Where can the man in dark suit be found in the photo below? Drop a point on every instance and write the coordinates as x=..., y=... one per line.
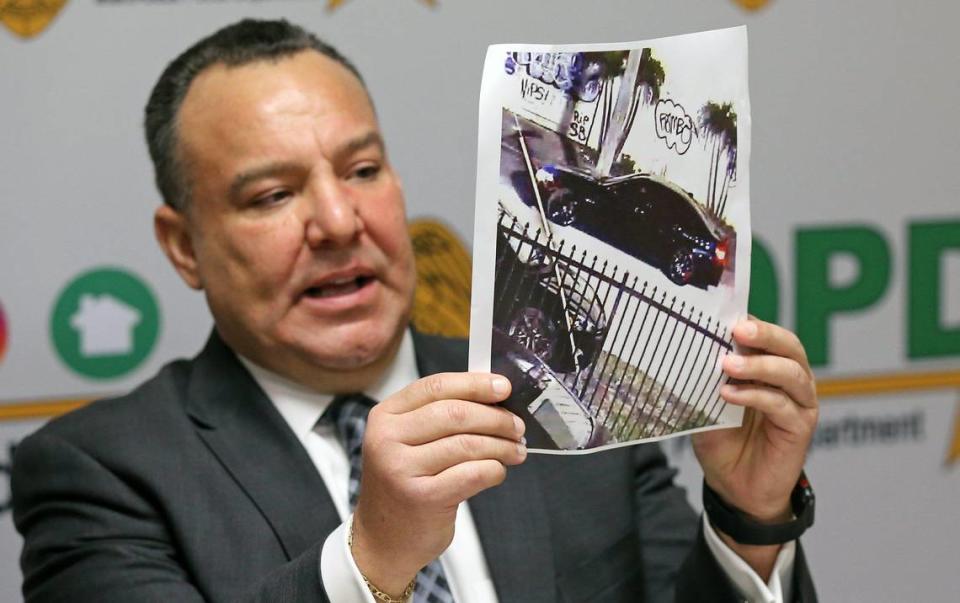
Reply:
x=202, y=484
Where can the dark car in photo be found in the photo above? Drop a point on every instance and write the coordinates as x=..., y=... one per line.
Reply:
x=643, y=215
x=647, y=217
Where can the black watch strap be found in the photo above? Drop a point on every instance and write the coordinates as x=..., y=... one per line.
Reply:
x=736, y=524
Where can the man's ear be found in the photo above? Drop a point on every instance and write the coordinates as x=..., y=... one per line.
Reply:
x=173, y=233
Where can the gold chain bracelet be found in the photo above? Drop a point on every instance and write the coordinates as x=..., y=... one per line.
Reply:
x=376, y=592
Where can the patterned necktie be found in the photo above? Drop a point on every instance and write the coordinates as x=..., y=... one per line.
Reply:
x=348, y=414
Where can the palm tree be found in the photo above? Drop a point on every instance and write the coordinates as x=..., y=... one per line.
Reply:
x=731, y=171
x=718, y=122
x=650, y=78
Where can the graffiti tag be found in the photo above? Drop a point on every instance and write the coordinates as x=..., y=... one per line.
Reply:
x=673, y=125
x=579, y=127
x=566, y=71
x=533, y=90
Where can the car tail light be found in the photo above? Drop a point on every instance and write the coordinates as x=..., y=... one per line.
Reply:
x=720, y=253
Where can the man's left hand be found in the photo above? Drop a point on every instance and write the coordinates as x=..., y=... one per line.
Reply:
x=755, y=467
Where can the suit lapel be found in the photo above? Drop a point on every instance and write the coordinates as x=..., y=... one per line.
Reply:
x=511, y=518
x=232, y=413
x=515, y=534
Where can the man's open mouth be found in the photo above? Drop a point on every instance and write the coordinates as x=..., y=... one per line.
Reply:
x=337, y=287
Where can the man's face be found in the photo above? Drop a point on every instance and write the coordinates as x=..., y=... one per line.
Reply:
x=296, y=228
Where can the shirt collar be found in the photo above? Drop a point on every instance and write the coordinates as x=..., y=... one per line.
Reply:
x=301, y=407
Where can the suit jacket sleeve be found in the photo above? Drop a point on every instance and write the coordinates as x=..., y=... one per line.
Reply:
x=91, y=535
x=678, y=565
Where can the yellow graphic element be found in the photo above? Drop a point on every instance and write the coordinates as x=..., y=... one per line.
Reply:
x=335, y=4
x=21, y=411
x=27, y=18
x=752, y=4
x=441, y=303
x=899, y=382
x=888, y=383
x=953, y=453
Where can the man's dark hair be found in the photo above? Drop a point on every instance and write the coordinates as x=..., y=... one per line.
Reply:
x=241, y=43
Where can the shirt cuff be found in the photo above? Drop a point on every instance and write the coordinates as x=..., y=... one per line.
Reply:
x=339, y=572
x=751, y=587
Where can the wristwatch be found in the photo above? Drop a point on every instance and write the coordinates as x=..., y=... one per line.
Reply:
x=736, y=524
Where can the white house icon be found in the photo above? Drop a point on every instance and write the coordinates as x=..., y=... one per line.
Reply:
x=105, y=325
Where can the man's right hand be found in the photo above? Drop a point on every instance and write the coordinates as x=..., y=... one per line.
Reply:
x=426, y=449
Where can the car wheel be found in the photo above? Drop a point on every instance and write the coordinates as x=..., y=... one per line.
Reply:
x=562, y=207
x=533, y=330
x=680, y=270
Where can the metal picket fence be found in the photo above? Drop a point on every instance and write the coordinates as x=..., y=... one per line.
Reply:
x=642, y=361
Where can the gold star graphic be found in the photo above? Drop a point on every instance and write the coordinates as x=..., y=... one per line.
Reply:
x=752, y=4
x=335, y=4
x=441, y=304
x=953, y=453
x=27, y=18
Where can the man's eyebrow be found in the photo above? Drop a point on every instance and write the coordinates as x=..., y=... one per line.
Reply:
x=359, y=143
x=256, y=173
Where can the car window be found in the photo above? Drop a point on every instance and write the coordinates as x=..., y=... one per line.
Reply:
x=673, y=204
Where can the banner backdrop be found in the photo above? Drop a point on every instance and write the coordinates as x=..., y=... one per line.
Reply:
x=855, y=217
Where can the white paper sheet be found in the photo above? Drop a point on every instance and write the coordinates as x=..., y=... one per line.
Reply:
x=612, y=242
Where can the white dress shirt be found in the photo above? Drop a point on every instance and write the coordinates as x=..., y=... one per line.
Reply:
x=463, y=562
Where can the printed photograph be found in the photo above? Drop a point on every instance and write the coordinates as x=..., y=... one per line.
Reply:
x=615, y=243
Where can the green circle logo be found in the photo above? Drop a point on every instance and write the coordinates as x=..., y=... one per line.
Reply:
x=105, y=323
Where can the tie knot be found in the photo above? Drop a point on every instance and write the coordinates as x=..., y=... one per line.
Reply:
x=347, y=407
x=348, y=415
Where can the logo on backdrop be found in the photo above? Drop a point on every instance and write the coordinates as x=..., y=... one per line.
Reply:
x=3, y=332
x=105, y=323
x=28, y=18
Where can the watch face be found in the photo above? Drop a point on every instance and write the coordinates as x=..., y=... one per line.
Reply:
x=803, y=500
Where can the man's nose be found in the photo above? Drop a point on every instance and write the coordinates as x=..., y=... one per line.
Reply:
x=332, y=218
